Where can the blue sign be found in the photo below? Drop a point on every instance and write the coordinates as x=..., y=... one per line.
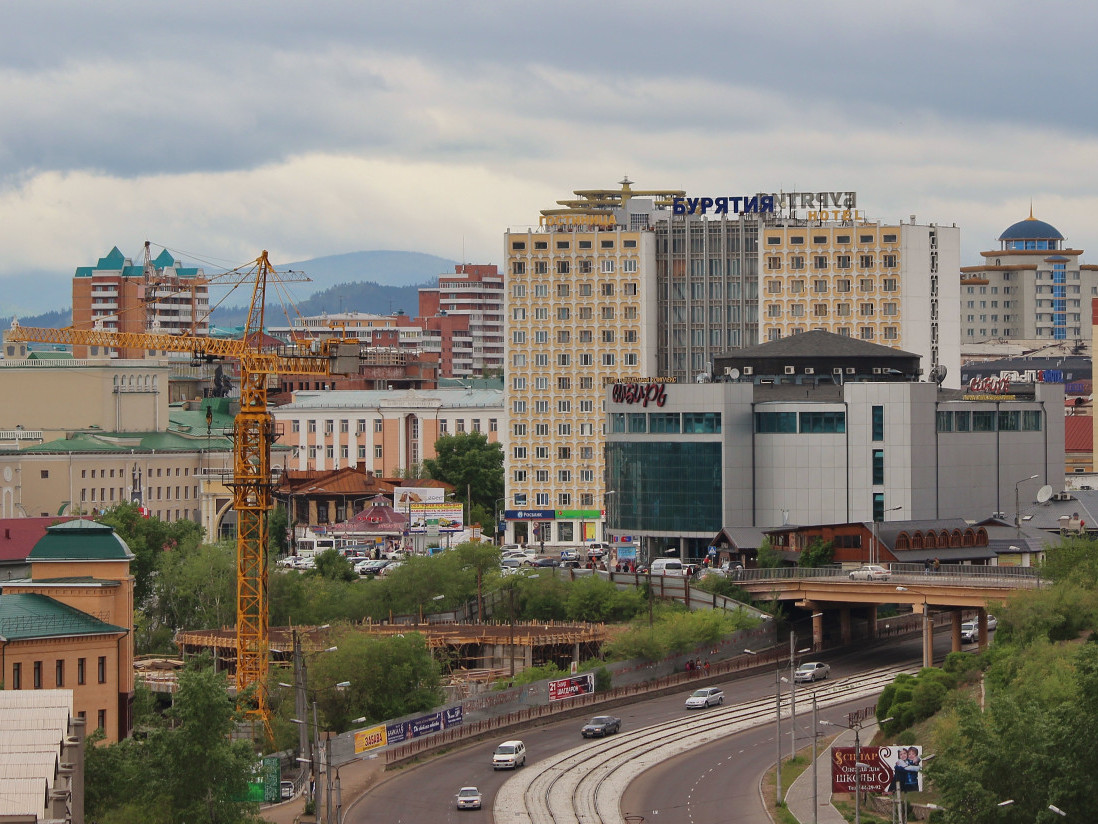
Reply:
x=424, y=725
x=530, y=514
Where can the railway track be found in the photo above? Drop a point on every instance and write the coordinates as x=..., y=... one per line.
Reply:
x=584, y=785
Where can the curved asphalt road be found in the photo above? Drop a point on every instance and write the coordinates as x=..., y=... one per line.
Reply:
x=702, y=786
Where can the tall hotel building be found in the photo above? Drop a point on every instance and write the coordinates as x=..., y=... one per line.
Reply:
x=881, y=283
x=627, y=286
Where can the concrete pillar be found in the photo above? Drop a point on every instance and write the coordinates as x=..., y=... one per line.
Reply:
x=872, y=622
x=955, y=631
x=817, y=630
x=844, y=625
x=981, y=628
x=928, y=637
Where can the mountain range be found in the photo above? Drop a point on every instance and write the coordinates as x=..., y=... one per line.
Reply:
x=374, y=282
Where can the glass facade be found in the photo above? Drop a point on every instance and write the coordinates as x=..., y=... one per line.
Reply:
x=667, y=487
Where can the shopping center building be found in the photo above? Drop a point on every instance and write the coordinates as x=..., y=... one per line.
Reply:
x=820, y=428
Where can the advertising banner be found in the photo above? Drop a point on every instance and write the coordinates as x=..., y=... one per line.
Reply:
x=370, y=739
x=626, y=552
x=882, y=767
x=404, y=496
x=425, y=724
x=428, y=518
x=571, y=687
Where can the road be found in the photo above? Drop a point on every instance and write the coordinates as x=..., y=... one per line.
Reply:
x=694, y=788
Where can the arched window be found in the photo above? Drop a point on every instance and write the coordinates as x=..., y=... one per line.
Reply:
x=970, y=538
x=943, y=538
x=903, y=541
x=956, y=538
x=982, y=538
x=917, y=540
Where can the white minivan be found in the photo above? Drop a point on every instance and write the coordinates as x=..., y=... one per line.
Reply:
x=667, y=566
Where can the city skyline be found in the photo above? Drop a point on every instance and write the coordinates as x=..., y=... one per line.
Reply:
x=219, y=131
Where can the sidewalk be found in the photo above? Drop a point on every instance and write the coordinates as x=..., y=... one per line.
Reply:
x=356, y=778
x=799, y=797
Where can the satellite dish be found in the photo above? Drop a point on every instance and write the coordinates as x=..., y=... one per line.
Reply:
x=1044, y=493
x=734, y=373
x=938, y=374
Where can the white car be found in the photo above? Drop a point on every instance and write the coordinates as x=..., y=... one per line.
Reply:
x=705, y=697
x=970, y=630
x=468, y=798
x=811, y=671
x=870, y=572
x=510, y=755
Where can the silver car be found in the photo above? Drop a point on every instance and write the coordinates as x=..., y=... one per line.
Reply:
x=811, y=671
x=870, y=572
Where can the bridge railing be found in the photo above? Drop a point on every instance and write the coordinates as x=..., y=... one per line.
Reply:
x=959, y=574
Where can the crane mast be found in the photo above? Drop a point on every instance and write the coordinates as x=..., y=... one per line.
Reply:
x=252, y=436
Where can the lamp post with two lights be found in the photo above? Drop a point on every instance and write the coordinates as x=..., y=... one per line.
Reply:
x=928, y=628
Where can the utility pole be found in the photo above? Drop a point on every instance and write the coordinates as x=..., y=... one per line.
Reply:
x=301, y=709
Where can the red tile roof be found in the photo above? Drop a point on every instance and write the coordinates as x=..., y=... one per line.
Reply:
x=19, y=535
x=1078, y=433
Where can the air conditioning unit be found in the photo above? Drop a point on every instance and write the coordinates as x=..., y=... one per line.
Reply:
x=877, y=370
x=850, y=370
x=838, y=370
x=808, y=370
x=749, y=370
x=790, y=370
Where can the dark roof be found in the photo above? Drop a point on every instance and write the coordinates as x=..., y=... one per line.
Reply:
x=817, y=343
x=80, y=540
x=1031, y=229
x=30, y=615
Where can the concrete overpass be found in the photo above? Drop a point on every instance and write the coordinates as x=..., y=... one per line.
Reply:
x=948, y=593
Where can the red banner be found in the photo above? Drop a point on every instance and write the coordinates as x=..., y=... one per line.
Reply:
x=571, y=687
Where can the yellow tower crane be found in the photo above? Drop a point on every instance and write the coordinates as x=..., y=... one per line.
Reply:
x=252, y=436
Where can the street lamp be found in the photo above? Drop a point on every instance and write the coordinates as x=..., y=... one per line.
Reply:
x=928, y=628
x=875, y=552
x=777, y=728
x=1017, y=500
x=1057, y=810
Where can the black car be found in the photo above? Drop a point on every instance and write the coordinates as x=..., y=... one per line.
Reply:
x=545, y=561
x=601, y=725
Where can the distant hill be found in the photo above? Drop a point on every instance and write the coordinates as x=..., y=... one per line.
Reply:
x=382, y=267
x=378, y=283
x=48, y=320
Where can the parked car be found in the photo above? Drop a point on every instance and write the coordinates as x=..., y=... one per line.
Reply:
x=544, y=561
x=468, y=798
x=812, y=671
x=870, y=572
x=509, y=755
x=705, y=697
x=286, y=790
x=569, y=555
x=511, y=563
x=371, y=567
x=388, y=568
x=970, y=632
x=601, y=725
x=667, y=566
x=992, y=622
x=597, y=550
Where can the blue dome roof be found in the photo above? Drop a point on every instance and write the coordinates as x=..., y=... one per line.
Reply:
x=1031, y=229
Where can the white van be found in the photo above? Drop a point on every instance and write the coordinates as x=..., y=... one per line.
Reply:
x=668, y=566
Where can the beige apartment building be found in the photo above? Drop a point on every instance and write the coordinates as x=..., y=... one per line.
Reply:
x=384, y=432
x=79, y=436
x=881, y=283
x=578, y=319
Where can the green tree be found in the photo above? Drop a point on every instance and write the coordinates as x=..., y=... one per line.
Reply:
x=768, y=558
x=389, y=676
x=194, y=588
x=278, y=525
x=147, y=538
x=185, y=771
x=819, y=553
x=468, y=462
x=330, y=564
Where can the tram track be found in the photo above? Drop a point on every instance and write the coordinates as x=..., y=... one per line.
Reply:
x=585, y=784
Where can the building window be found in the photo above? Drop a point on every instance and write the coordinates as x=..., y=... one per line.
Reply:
x=1031, y=420
x=878, y=467
x=295, y=426
x=102, y=720
x=59, y=673
x=81, y=674
x=878, y=423
x=38, y=675
x=865, y=261
x=17, y=676
x=878, y=506
x=842, y=261
x=378, y=452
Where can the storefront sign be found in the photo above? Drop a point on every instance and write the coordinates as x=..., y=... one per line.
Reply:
x=722, y=205
x=578, y=514
x=989, y=386
x=530, y=514
x=631, y=393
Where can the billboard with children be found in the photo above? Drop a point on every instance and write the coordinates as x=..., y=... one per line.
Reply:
x=883, y=769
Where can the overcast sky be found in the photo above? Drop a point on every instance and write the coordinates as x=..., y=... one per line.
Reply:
x=219, y=129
